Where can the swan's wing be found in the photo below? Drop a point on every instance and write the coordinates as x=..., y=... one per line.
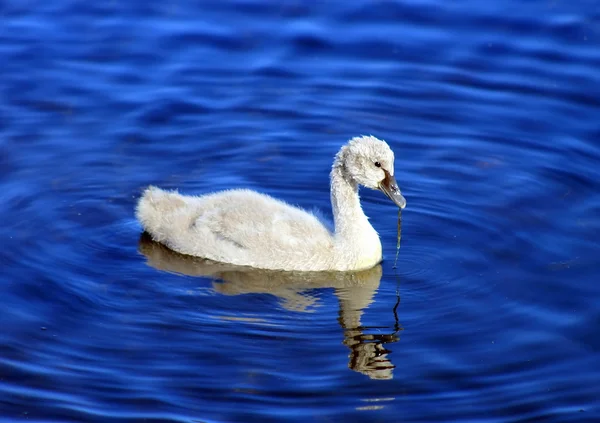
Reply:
x=247, y=220
x=324, y=219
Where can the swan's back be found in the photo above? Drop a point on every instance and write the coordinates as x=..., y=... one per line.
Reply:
x=238, y=226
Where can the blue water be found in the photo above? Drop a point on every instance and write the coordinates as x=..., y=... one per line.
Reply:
x=493, y=110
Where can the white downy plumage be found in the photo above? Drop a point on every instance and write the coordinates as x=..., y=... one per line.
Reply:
x=247, y=228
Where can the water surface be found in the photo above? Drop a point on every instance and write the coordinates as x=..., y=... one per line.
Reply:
x=493, y=110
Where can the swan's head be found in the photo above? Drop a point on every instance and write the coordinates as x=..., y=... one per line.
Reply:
x=369, y=161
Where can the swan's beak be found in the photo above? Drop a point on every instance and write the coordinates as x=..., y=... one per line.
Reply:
x=389, y=186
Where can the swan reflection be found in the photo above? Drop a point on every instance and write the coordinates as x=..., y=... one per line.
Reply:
x=354, y=291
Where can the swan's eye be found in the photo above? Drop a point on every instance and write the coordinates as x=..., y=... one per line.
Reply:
x=377, y=164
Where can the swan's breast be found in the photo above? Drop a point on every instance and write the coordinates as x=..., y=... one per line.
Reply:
x=369, y=249
x=370, y=258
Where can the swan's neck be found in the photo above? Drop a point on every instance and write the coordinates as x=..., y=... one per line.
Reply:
x=348, y=215
x=354, y=235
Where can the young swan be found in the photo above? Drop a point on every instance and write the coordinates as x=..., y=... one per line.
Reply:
x=246, y=228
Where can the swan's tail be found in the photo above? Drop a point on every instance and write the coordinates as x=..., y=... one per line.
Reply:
x=163, y=214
